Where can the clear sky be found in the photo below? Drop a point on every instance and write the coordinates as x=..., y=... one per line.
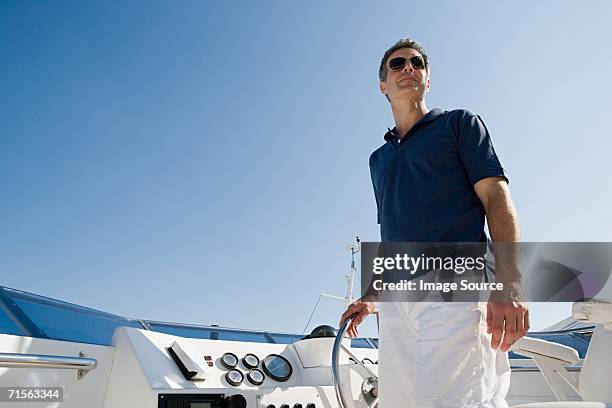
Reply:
x=207, y=161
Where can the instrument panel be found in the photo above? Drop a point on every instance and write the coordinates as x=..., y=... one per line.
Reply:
x=203, y=373
x=273, y=366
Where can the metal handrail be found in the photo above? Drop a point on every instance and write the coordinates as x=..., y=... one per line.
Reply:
x=17, y=360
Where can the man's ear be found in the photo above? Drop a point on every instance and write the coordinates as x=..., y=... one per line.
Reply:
x=427, y=84
x=383, y=88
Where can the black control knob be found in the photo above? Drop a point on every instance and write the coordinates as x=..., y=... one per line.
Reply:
x=236, y=401
x=284, y=406
x=311, y=405
x=297, y=405
x=271, y=406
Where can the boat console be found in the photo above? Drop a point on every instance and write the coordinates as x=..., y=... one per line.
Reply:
x=155, y=368
x=86, y=358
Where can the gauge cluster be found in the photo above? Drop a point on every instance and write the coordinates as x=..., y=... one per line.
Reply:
x=274, y=366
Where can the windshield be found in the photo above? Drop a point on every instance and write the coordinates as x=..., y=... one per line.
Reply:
x=27, y=314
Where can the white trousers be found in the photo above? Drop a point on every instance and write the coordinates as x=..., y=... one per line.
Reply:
x=437, y=354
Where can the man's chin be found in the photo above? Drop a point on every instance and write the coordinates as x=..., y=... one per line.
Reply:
x=409, y=92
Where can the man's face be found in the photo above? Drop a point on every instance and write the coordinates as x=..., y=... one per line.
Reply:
x=407, y=82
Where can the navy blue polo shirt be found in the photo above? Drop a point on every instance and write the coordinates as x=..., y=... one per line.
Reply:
x=424, y=183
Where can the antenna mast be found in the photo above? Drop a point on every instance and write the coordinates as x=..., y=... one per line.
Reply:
x=350, y=277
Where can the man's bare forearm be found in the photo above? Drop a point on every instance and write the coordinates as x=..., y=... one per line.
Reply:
x=504, y=228
x=507, y=312
x=501, y=214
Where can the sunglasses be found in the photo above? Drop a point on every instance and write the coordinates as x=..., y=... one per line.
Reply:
x=398, y=63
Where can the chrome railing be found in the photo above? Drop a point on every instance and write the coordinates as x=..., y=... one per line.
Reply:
x=82, y=364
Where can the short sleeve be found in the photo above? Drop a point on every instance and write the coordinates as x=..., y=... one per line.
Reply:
x=476, y=148
x=375, y=189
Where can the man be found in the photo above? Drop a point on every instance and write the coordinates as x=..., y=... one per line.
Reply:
x=435, y=179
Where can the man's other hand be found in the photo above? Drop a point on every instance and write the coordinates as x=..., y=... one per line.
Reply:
x=507, y=321
x=362, y=309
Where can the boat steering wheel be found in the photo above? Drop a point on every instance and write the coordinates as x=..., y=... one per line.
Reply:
x=369, y=388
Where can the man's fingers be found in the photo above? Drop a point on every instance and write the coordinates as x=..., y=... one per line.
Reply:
x=489, y=318
x=506, y=322
x=346, y=314
x=497, y=328
x=510, y=334
x=359, y=310
x=358, y=319
x=352, y=331
x=520, y=325
x=352, y=309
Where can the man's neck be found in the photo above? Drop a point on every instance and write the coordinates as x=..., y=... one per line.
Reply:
x=406, y=113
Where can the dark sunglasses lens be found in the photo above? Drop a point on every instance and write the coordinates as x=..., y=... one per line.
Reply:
x=397, y=63
x=417, y=62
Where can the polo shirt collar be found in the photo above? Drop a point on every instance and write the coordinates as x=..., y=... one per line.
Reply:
x=430, y=116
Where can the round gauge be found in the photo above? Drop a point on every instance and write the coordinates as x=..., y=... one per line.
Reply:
x=255, y=376
x=250, y=360
x=277, y=367
x=229, y=360
x=234, y=377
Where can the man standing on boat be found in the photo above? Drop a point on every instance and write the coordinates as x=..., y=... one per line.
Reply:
x=435, y=179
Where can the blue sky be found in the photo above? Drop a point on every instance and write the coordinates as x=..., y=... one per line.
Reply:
x=206, y=162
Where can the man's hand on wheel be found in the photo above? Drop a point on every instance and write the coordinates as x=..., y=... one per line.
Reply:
x=362, y=309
